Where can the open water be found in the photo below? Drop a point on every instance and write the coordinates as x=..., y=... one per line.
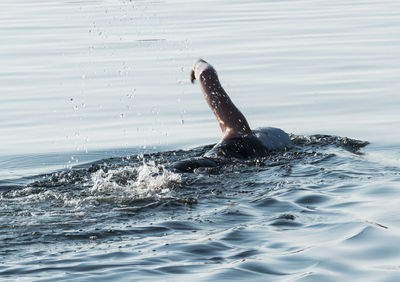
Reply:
x=96, y=103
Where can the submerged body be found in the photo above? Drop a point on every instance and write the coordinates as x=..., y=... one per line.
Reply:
x=238, y=140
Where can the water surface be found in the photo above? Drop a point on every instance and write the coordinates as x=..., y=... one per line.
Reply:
x=96, y=104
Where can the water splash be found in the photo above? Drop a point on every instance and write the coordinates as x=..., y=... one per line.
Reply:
x=82, y=189
x=145, y=181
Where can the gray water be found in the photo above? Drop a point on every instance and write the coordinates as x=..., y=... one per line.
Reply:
x=96, y=103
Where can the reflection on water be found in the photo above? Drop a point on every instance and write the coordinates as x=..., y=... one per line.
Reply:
x=96, y=104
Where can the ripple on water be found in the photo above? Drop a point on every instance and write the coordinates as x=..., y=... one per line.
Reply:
x=250, y=220
x=275, y=205
x=240, y=236
x=374, y=243
x=180, y=225
x=207, y=249
x=285, y=220
x=311, y=200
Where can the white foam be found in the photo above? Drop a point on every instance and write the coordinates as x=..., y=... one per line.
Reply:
x=145, y=181
x=115, y=186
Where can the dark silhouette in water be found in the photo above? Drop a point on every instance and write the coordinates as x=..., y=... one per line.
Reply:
x=238, y=140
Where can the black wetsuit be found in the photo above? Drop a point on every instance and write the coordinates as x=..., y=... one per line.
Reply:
x=240, y=148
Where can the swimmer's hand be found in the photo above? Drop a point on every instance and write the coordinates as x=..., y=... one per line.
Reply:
x=198, y=67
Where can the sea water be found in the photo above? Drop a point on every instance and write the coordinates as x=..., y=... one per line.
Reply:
x=96, y=103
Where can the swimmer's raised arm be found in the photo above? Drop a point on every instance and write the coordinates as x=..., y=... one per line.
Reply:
x=230, y=119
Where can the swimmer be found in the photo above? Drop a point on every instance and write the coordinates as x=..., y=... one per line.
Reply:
x=238, y=140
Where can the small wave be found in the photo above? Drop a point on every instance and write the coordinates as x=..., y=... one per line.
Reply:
x=78, y=188
x=351, y=145
x=121, y=182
